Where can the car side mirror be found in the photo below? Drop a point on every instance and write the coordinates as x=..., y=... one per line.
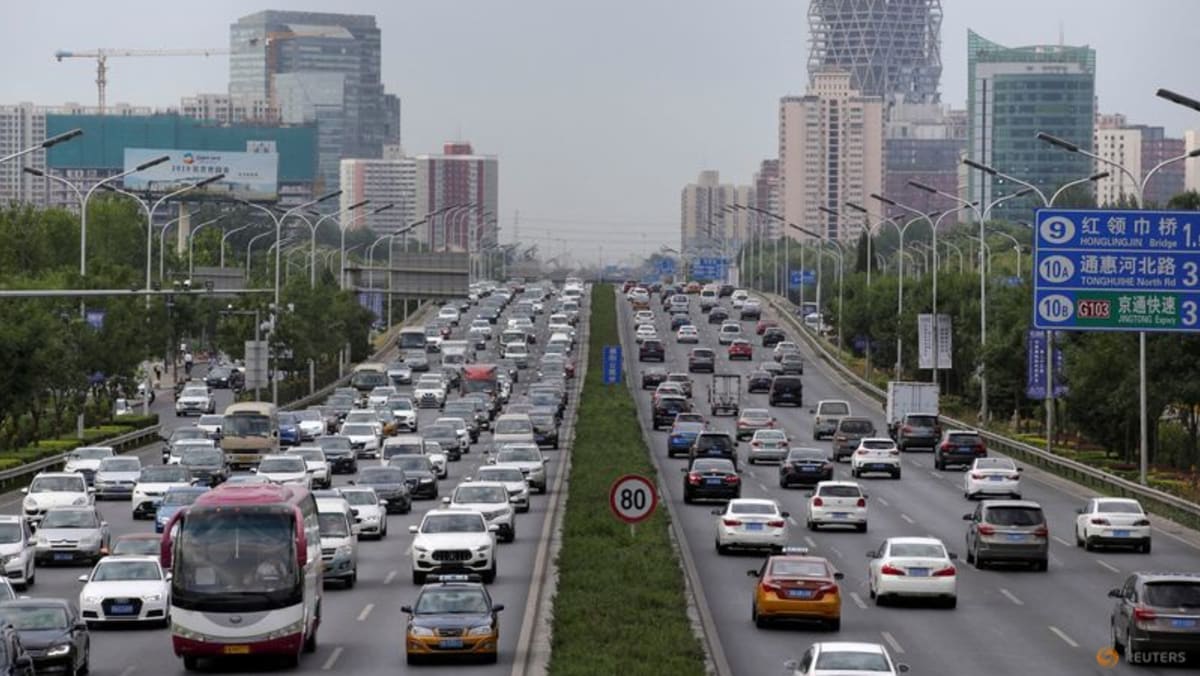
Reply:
x=968, y=517
x=351, y=482
x=498, y=607
x=254, y=470
x=80, y=625
x=839, y=575
x=412, y=529
x=810, y=494
x=84, y=578
x=446, y=500
x=718, y=512
x=493, y=528
x=1115, y=594
x=24, y=491
x=383, y=503
x=1081, y=510
x=785, y=514
x=406, y=609
x=168, y=576
x=91, y=490
x=902, y=668
x=791, y=665
x=683, y=469
x=953, y=556
x=812, y=411
x=1020, y=469
x=104, y=524
x=752, y=573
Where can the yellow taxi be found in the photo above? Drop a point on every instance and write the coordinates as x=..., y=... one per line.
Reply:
x=795, y=586
x=453, y=617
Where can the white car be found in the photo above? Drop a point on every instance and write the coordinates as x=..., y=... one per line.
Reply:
x=915, y=567
x=404, y=413
x=284, y=469
x=992, y=476
x=461, y=429
x=379, y=396
x=116, y=477
x=363, y=417
x=729, y=332
x=875, y=454
x=449, y=314
x=644, y=317
x=518, y=352
x=180, y=447
x=211, y=424
x=514, y=482
x=751, y=523
x=126, y=589
x=526, y=456
x=437, y=458
x=400, y=373
x=364, y=440
x=195, y=401
x=768, y=446
x=311, y=423
x=1116, y=522
x=370, y=513
x=152, y=484
x=339, y=541
x=16, y=551
x=638, y=295
x=645, y=332
x=687, y=334
x=489, y=498
x=481, y=329
x=844, y=658
x=430, y=391
x=837, y=503
x=319, y=470
x=54, y=489
x=443, y=531
x=86, y=460
x=738, y=298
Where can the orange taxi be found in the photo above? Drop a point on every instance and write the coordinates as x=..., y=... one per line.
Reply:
x=795, y=586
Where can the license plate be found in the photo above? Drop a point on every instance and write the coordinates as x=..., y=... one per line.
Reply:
x=450, y=643
x=799, y=593
x=995, y=478
x=754, y=526
x=236, y=650
x=1121, y=533
x=1016, y=537
x=63, y=556
x=841, y=515
x=880, y=466
x=122, y=609
x=1183, y=624
x=918, y=572
x=712, y=482
x=966, y=449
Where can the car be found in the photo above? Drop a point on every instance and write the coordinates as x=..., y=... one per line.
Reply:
x=430, y=391
x=991, y=477
x=785, y=347
x=837, y=503
x=390, y=484
x=681, y=437
x=875, y=455
x=701, y=359
x=182, y=446
x=70, y=535
x=339, y=541
x=653, y=376
x=838, y=658
x=17, y=552
x=849, y=432
x=526, y=456
x=453, y=540
x=687, y=334
x=175, y=499
x=791, y=585
x=718, y=315
x=137, y=544
x=195, y=400
x=767, y=445
x=449, y=314
x=959, y=447
x=805, y=466
x=751, y=523
x=178, y=434
x=1156, y=612
x=644, y=317
x=545, y=426
x=741, y=348
x=489, y=498
x=53, y=489
x=738, y=298
x=116, y=477
x=370, y=513
x=751, y=309
x=404, y=413
x=1112, y=522
x=787, y=389
x=680, y=320
x=152, y=483
x=364, y=439
x=728, y=332
x=211, y=423
x=761, y=326
x=1008, y=531
x=666, y=407
x=514, y=482
x=418, y=360
x=753, y=419
x=221, y=377
x=758, y=381
x=918, y=430
x=52, y=632
x=320, y=474
x=455, y=606
x=378, y=396
x=683, y=380
x=126, y=589
x=725, y=290
x=400, y=372
x=652, y=349
x=826, y=416
x=773, y=336
x=85, y=460
x=462, y=431
x=420, y=475
x=913, y=567
x=791, y=363
x=289, y=429
x=467, y=411
x=448, y=439
x=710, y=479
x=714, y=444
x=285, y=468
x=339, y=453
x=645, y=332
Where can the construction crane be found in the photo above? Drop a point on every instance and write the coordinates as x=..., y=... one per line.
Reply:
x=102, y=55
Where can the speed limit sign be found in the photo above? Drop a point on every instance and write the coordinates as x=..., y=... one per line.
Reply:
x=632, y=498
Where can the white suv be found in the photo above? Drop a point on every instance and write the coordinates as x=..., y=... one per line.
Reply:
x=876, y=454
x=453, y=540
x=837, y=503
x=54, y=489
x=16, y=551
x=489, y=498
x=339, y=541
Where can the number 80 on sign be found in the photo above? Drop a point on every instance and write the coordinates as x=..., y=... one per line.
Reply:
x=632, y=498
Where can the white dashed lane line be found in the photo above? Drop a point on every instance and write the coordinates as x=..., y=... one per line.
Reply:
x=1066, y=639
x=365, y=612
x=907, y=518
x=882, y=501
x=858, y=600
x=1009, y=595
x=333, y=658
x=1109, y=566
x=390, y=576
x=891, y=640
x=1061, y=541
x=812, y=544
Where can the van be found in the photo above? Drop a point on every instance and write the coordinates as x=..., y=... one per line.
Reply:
x=849, y=432
x=339, y=540
x=826, y=416
x=708, y=298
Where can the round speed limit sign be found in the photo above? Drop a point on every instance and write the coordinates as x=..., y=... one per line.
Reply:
x=632, y=498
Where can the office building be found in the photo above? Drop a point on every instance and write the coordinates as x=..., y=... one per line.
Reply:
x=706, y=226
x=890, y=48
x=766, y=194
x=1015, y=92
x=1138, y=148
x=830, y=152
x=923, y=142
x=227, y=109
x=466, y=186
x=388, y=180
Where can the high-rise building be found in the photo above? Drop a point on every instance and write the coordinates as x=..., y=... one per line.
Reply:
x=227, y=109
x=317, y=67
x=705, y=225
x=389, y=180
x=1191, y=167
x=766, y=194
x=924, y=142
x=1171, y=179
x=466, y=187
x=830, y=152
x=891, y=48
x=1015, y=92
x=1138, y=148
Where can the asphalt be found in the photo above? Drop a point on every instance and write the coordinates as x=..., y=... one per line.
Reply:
x=362, y=630
x=1008, y=621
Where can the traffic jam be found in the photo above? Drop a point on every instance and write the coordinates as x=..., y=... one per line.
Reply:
x=240, y=539
x=795, y=501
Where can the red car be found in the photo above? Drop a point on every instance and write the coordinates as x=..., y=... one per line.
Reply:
x=741, y=349
x=763, y=325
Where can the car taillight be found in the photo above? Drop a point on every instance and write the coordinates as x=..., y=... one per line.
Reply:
x=732, y=478
x=889, y=569
x=693, y=478
x=818, y=502
x=985, y=529
x=771, y=423
x=862, y=502
x=1096, y=521
x=1014, y=477
x=980, y=449
x=772, y=587
x=1144, y=615
x=976, y=475
x=756, y=444
x=840, y=437
x=1142, y=522
x=731, y=522
x=860, y=452
x=948, y=571
x=776, y=524
x=946, y=446
x=1041, y=531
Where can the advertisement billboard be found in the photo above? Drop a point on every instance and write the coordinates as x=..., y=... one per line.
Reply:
x=249, y=176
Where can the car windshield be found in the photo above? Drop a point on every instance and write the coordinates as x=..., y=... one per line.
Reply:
x=189, y=433
x=880, y=445
x=995, y=463
x=207, y=420
x=281, y=464
x=309, y=455
x=410, y=463
x=688, y=428
x=288, y=419
x=786, y=568
x=381, y=475
x=441, y=432
x=1118, y=507
x=94, y=453
x=1015, y=516
x=334, y=443
x=969, y=439
x=10, y=533
x=358, y=430
x=518, y=455
x=441, y=601
x=180, y=498
x=1173, y=594
x=246, y=425
x=703, y=354
x=712, y=466
x=69, y=518
x=807, y=454
x=714, y=442
x=120, y=465
x=770, y=435
x=112, y=570
x=453, y=523
x=195, y=392
x=307, y=415
x=756, y=414
x=852, y=661
x=839, y=492
x=513, y=426
x=501, y=474
x=856, y=427
x=394, y=448
x=201, y=456
x=751, y=508
x=401, y=404
x=136, y=546
x=333, y=524
x=921, y=420
x=360, y=497
x=34, y=618
x=918, y=549
x=469, y=494
x=57, y=484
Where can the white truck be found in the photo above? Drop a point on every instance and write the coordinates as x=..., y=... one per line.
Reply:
x=911, y=411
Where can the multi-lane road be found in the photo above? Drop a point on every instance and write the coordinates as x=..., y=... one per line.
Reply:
x=362, y=629
x=1008, y=621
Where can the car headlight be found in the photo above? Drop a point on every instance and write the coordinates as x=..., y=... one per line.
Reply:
x=420, y=550
x=343, y=552
x=30, y=503
x=79, y=501
x=481, y=630
x=89, y=541
x=58, y=650
x=420, y=631
x=41, y=541
x=92, y=600
x=426, y=480
x=152, y=597
x=483, y=549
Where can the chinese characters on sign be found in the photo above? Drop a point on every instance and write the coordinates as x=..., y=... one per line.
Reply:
x=931, y=341
x=1035, y=374
x=612, y=364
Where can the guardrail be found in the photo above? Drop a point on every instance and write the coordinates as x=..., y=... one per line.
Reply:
x=120, y=443
x=1161, y=503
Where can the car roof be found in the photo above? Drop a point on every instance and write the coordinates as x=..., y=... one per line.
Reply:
x=140, y=536
x=988, y=504
x=485, y=484
x=916, y=540
x=37, y=602
x=10, y=518
x=839, y=483
x=887, y=439
x=130, y=557
x=849, y=646
x=753, y=501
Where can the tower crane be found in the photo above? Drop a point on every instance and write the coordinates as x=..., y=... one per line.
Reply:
x=102, y=55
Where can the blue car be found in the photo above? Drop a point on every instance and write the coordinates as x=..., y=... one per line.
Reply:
x=174, y=500
x=289, y=430
x=679, y=441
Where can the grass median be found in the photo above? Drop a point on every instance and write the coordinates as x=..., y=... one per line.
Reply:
x=620, y=605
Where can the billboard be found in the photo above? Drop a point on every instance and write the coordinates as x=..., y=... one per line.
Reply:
x=249, y=176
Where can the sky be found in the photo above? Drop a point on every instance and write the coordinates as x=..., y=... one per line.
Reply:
x=602, y=110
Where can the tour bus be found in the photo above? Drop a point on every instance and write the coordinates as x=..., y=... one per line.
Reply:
x=412, y=338
x=249, y=430
x=245, y=564
x=369, y=375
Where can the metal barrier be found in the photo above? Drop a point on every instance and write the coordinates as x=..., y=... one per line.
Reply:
x=120, y=443
x=1164, y=504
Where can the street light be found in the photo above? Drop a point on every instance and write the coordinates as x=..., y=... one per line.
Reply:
x=391, y=263
x=278, y=220
x=229, y=234
x=249, y=246
x=105, y=184
x=312, y=227
x=44, y=145
x=150, y=220
x=192, y=244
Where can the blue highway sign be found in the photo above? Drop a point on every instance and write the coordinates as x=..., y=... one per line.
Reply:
x=612, y=364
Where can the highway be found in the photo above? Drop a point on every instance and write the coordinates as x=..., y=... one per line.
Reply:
x=362, y=629
x=1009, y=621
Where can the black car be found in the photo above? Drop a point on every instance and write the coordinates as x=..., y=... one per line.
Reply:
x=701, y=359
x=223, y=378
x=14, y=659
x=725, y=290
x=390, y=485
x=711, y=479
x=805, y=466
x=545, y=426
x=792, y=363
x=666, y=408
x=680, y=319
x=773, y=336
x=207, y=465
x=51, y=632
x=786, y=389
x=718, y=315
x=652, y=350
x=447, y=438
x=547, y=396
x=958, y=447
x=759, y=381
x=714, y=445
x=652, y=376
x=418, y=475
x=342, y=458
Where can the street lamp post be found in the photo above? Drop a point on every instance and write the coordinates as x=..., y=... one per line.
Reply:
x=391, y=265
x=249, y=246
x=44, y=145
x=229, y=234
x=192, y=245
x=312, y=236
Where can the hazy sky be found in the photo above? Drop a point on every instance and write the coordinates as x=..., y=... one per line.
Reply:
x=600, y=111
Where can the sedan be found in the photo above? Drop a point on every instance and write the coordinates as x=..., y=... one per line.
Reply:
x=791, y=364
x=749, y=523
x=805, y=466
x=682, y=436
x=718, y=315
x=958, y=448
x=753, y=419
x=768, y=446
x=70, y=534
x=913, y=566
x=835, y=659
x=116, y=477
x=773, y=336
x=52, y=631
x=783, y=348
x=284, y=469
x=687, y=334
x=758, y=381
x=419, y=475
x=992, y=476
x=837, y=503
x=1112, y=522
x=370, y=513
x=741, y=348
x=711, y=479
x=795, y=586
x=318, y=467
x=126, y=589
x=390, y=485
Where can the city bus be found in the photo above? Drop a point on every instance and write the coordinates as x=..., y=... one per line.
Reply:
x=245, y=564
x=249, y=431
x=369, y=375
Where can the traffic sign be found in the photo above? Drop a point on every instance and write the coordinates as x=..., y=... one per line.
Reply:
x=1102, y=270
x=665, y=266
x=1035, y=373
x=710, y=268
x=632, y=498
x=800, y=277
x=612, y=364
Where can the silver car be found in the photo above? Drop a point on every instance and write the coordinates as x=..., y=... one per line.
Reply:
x=117, y=477
x=16, y=551
x=71, y=534
x=370, y=513
x=528, y=457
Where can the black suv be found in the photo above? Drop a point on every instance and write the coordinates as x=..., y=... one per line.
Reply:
x=759, y=381
x=1156, y=614
x=651, y=377
x=714, y=445
x=701, y=359
x=718, y=315
x=773, y=336
x=652, y=350
x=786, y=389
x=667, y=407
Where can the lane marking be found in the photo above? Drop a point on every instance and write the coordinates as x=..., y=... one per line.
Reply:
x=891, y=640
x=390, y=576
x=337, y=652
x=882, y=501
x=365, y=612
x=1066, y=639
x=858, y=600
x=763, y=486
x=1109, y=566
x=1010, y=597
x=1061, y=541
x=907, y=518
x=936, y=475
x=835, y=552
x=812, y=544
x=792, y=520
x=128, y=670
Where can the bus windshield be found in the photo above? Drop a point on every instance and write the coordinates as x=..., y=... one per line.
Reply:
x=246, y=425
x=369, y=380
x=236, y=556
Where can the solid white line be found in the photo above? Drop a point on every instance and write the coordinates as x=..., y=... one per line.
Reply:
x=390, y=576
x=1061, y=541
x=1066, y=639
x=1173, y=536
x=1010, y=597
x=892, y=642
x=882, y=501
x=1109, y=566
x=858, y=600
x=812, y=544
x=366, y=611
x=333, y=657
x=907, y=518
